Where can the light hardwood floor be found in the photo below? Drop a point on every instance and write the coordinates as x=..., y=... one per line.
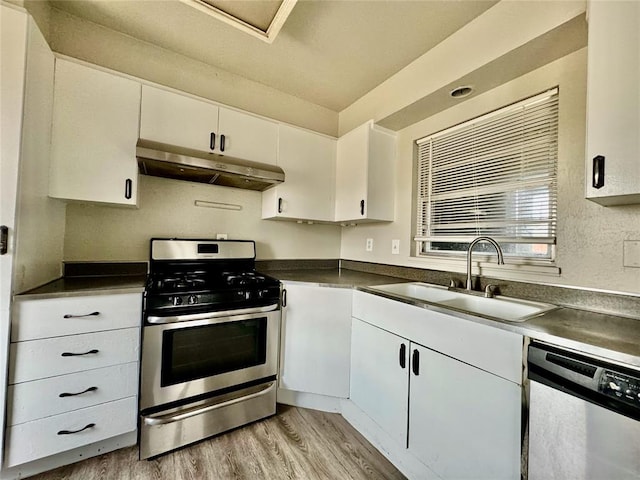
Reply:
x=296, y=443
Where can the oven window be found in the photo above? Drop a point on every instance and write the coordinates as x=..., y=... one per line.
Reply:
x=200, y=352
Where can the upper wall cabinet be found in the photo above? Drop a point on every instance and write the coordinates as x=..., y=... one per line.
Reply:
x=613, y=103
x=365, y=175
x=308, y=160
x=94, y=135
x=176, y=119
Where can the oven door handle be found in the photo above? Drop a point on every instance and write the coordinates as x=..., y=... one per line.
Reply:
x=157, y=320
x=192, y=412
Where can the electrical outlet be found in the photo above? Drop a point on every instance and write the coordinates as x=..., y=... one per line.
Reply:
x=395, y=247
x=369, y=246
x=221, y=236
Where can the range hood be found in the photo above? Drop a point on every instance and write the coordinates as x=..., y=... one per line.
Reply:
x=162, y=160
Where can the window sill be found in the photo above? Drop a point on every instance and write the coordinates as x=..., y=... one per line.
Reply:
x=508, y=271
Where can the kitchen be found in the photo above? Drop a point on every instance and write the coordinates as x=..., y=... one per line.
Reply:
x=591, y=239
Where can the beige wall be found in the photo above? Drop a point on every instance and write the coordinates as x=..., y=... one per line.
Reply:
x=166, y=209
x=590, y=237
x=93, y=43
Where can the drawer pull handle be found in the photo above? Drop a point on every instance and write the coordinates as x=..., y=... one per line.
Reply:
x=71, y=354
x=92, y=314
x=69, y=432
x=90, y=389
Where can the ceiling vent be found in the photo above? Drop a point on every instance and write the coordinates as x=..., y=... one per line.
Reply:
x=262, y=19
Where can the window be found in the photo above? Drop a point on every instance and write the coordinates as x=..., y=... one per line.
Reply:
x=495, y=175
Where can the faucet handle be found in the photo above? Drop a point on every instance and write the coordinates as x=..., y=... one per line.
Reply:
x=453, y=283
x=490, y=290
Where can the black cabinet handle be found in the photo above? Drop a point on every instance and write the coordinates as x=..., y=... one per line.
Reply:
x=70, y=432
x=280, y=205
x=128, y=186
x=403, y=355
x=415, y=363
x=70, y=354
x=598, y=171
x=222, y=142
x=361, y=207
x=92, y=314
x=212, y=141
x=284, y=297
x=4, y=239
x=90, y=389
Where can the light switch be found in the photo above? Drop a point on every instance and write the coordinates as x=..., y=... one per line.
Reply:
x=395, y=247
x=631, y=253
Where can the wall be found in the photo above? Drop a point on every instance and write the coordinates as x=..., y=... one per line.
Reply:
x=93, y=43
x=166, y=209
x=590, y=237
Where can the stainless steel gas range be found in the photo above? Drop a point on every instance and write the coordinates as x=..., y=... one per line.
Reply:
x=210, y=342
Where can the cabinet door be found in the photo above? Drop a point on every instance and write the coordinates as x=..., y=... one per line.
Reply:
x=463, y=421
x=248, y=137
x=94, y=135
x=351, y=174
x=308, y=160
x=380, y=377
x=175, y=119
x=613, y=101
x=316, y=340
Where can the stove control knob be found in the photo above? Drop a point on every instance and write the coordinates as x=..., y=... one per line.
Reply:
x=613, y=386
x=176, y=300
x=192, y=300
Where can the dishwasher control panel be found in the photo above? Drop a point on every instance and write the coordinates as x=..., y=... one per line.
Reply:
x=623, y=387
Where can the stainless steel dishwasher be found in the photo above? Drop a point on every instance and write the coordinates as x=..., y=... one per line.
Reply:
x=584, y=417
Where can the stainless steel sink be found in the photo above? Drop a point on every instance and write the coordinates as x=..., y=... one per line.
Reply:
x=502, y=308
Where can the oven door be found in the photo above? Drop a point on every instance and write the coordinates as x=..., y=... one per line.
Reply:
x=190, y=355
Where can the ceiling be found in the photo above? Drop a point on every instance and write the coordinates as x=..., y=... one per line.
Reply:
x=329, y=52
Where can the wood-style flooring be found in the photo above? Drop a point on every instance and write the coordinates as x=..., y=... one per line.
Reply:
x=296, y=443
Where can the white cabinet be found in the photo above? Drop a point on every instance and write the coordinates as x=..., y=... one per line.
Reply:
x=248, y=137
x=613, y=103
x=94, y=135
x=316, y=336
x=463, y=421
x=365, y=175
x=308, y=160
x=175, y=119
x=79, y=386
x=447, y=389
x=167, y=117
x=380, y=377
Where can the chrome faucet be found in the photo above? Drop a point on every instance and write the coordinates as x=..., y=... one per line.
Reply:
x=471, y=245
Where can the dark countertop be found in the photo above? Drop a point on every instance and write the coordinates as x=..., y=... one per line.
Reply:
x=611, y=337
x=98, y=285
x=601, y=334
x=333, y=277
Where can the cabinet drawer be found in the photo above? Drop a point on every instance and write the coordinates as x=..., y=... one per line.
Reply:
x=45, y=318
x=488, y=348
x=38, y=359
x=30, y=401
x=32, y=440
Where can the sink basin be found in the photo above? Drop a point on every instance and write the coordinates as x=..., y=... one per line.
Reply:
x=419, y=291
x=503, y=308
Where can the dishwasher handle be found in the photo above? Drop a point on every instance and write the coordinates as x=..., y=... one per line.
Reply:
x=563, y=367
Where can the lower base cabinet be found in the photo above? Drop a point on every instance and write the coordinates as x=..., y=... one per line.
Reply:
x=316, y=337
x=379, y=382
x=464, y=423
x=458, y=420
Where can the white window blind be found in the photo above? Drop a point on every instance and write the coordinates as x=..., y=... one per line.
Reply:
x=495, y=175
